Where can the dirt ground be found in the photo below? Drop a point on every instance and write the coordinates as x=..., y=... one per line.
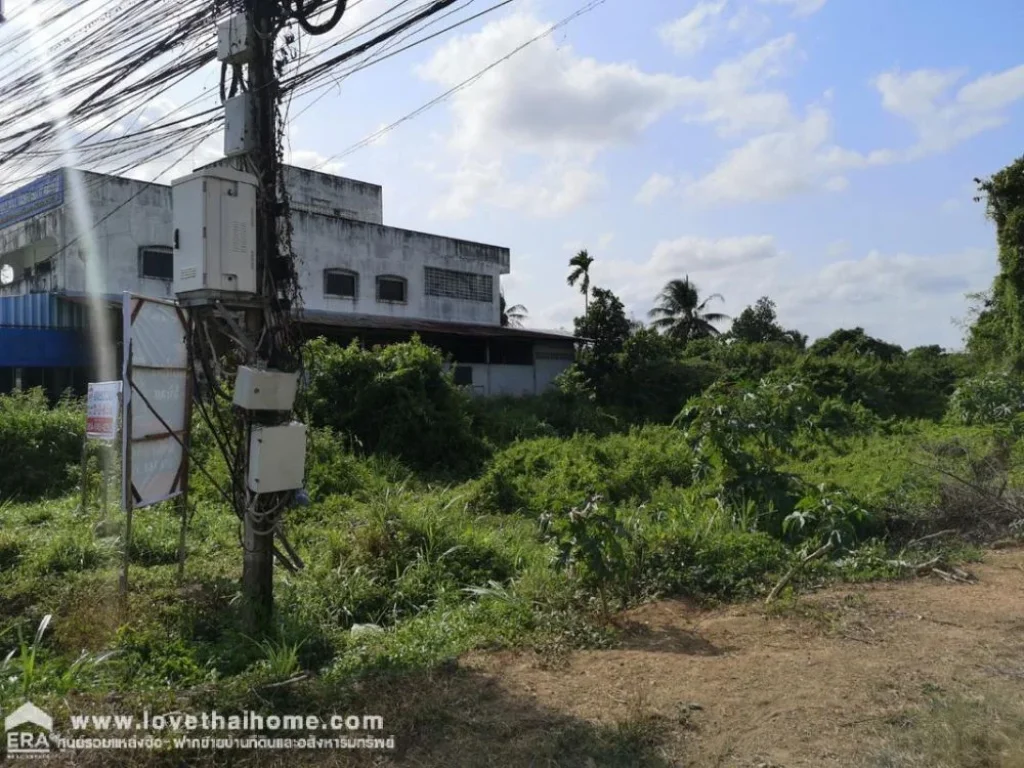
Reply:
x=813, y=682
x=822, y=680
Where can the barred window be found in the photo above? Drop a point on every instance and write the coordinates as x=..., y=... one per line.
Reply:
x=341, y=282
x=459, y=285
x=391, y=289
x=156, y=262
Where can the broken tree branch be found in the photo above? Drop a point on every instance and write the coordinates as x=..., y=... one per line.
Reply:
x=795, y=569
x=930, y=536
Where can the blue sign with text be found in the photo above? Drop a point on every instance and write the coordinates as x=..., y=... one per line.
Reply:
x=41, y=195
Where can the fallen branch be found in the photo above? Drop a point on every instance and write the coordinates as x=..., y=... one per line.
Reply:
x=917, y=568
x=795, y=569
x=931, y=536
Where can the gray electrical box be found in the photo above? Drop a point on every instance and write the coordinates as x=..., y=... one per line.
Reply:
x=259, y=390
x=234, y=40
x=239, y=134
x=277, y=458
x=214, y=212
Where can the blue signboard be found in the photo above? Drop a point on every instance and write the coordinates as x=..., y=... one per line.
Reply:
x=41, y=195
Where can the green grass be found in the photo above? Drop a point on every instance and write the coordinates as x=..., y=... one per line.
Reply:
x=439, y=570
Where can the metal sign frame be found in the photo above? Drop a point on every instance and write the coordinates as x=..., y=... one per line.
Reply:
x=136, y=401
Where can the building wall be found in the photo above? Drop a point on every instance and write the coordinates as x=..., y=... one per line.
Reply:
x=550, y=359
x=129, y=215
x=324, y=242
x=26, y=244
x=333, y=195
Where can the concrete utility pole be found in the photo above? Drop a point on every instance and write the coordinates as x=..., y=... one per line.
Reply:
x=258, y=520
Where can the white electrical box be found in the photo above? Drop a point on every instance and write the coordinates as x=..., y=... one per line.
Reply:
x=257, y=390
x=234, y=41
x=215, y=232
x=239, y=135
x=277, y=458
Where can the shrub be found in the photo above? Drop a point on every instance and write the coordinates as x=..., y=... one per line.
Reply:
x=729, y=566
x=551, y=475
x=68, y=551
x=330, y=469
x=995, y=398
x=397, y=400
x=39, y=444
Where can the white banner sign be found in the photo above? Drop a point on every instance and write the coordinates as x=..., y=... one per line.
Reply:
x=156, y=400
x=103, y=405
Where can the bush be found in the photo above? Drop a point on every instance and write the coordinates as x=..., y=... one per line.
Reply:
x=397, y=556
x=995, y=398
x=551, y=475
x=330, y=469
x=727, y=565
x=397, y=400
x=39, y=445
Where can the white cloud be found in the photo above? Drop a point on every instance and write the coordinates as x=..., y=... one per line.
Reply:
x=554, y=191
x=639, y=282
x=733, y=98
x=837, y=249
x=697, y=254
x=556, y=107
x=655, y=187
x=549, y=99
x=313, y=160
x=799, y=7
x=906, y=298
x=691, y=33
x=605, y=239
x=941, y=119
x=776, y=165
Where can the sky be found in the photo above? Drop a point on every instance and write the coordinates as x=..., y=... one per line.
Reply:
x=820, y=152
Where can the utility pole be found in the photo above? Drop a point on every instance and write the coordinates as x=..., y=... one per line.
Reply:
x=234, y=269
x=258, y=522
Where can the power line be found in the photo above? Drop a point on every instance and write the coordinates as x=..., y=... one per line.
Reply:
x=461, y=86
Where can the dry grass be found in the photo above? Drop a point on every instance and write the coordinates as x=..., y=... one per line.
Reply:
x=986, y=731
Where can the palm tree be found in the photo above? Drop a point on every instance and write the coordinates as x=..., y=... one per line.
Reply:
x=580, y=264
x=513, y=316
x=681, y=314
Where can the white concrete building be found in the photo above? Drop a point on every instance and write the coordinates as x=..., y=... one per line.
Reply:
x=358, y=278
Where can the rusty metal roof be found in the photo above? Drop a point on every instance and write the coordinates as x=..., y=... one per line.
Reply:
x=417, y=325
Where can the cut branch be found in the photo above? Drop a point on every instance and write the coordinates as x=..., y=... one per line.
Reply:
x=825, y=548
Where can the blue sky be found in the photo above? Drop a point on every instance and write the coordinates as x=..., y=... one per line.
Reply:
x=817, y=151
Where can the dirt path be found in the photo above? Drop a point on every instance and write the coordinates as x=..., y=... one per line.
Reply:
x=808, y=686
x=816, y=683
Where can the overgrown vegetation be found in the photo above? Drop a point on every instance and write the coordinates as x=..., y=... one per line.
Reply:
x=683, y=462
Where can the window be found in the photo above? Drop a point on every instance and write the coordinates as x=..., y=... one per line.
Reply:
x=451, y=284
x=463, y=375
x=156, y=262
x=391, y=289
x=341, y=283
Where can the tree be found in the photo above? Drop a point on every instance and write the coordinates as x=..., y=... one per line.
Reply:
x=514, y=316
x=855, y=341
x=759, y=324
x=605, y=326
x=580, y=266
x=1002, y=329
x=682, y=315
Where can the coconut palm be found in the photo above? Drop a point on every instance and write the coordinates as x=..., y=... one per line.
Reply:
x=681, y=314
x=580, y=265
x=513, y=316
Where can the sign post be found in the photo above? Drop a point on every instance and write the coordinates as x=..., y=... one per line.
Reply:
x=156, y=408
x=103, y=408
